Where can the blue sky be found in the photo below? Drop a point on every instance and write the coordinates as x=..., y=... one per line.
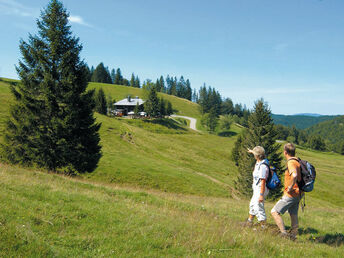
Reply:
x=291, y=52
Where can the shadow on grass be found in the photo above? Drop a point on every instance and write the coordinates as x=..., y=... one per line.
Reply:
x=227, y=134
x=169, y=123
x=336, y=239
x=303, y=231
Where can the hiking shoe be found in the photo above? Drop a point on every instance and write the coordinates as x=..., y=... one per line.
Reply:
x=247, y=223
x=287, y=236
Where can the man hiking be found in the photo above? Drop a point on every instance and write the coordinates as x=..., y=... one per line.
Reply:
x=291, y=195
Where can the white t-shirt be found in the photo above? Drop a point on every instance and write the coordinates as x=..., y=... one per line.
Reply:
x=260, y=171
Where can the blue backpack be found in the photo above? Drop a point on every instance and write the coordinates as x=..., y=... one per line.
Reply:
x=273, y=181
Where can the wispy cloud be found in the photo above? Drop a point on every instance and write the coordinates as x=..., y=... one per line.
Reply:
x=79, y=20
x=11, y=7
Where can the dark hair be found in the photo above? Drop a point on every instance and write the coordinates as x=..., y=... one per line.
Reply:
x=289, y=148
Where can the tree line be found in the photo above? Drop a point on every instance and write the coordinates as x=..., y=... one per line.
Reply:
x=309, y=139
x=102, y=74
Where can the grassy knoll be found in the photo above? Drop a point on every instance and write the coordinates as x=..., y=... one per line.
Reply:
x=48, y=215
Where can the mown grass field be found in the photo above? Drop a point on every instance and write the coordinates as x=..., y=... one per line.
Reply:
x=160, y=190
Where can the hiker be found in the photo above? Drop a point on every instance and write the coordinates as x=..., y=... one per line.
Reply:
x=260, y=174
x=291, y=195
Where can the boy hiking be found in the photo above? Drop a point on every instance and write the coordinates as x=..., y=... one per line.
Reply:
x=260, y=191
x=291, y=195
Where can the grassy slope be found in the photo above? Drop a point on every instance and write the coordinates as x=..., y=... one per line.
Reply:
x=48, y=215
x=151, y=155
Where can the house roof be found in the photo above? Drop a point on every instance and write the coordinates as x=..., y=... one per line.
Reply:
x=132, y=102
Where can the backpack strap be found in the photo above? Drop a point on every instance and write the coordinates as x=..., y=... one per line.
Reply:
x=268, y=170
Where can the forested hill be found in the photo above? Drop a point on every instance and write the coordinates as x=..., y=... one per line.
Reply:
x=300, y=121
x=332, y=130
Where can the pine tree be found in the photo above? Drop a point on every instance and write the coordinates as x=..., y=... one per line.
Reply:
x=152, y=103
x=118, y=77
x=260, y=132
x=169, y=108
x=137, y=109
x=162, y=107
x=188, y=92
x=101, y=74
x=162, y=84
x=342, y=149
x=51, y=124
x=100, y=100
x=113, y=76
x=109, y=102
x=137, y=82
x=132, y=80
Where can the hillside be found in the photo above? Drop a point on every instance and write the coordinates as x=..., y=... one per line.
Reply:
x=300, y=121
x=160, y=190
x=152, y=154
x=332, y=130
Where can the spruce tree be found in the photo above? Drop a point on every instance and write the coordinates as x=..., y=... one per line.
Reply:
x=51, y=123
x=101, y=74
x=113, y=76
x=137, y=82
x=162, y=84
x=132, y=80
x=152, y=103
x=100, y=100
x=169, y=108
x=118, y=77
x=260, y=132
x=162, y=107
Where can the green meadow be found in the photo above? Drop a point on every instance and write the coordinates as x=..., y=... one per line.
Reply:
x=160, y=189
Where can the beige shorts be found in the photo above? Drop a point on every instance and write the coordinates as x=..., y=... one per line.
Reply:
x=290, y=204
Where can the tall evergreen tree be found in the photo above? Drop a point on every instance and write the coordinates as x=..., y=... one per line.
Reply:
x=100, y=100
x=113, y=75
x=137, y=82
x=152, y=103
x=101, y=74
x=260, y=132
x=51, y=124
x=118, y=77
x=157, y=85
x=132, y=80
x=169, y=108
x=162, y=84
x=188, y=91
x=162, y=107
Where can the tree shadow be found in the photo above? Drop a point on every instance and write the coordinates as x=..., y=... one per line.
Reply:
x=166, y=123
x=303, y=231
x=227, y=134
x=336, y=239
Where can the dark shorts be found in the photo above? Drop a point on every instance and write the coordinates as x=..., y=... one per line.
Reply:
x=290, y=204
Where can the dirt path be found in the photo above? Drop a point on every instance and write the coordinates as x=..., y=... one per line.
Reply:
x=193, y=121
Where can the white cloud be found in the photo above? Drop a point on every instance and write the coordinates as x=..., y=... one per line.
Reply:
x=11, y=7
x=79, y=20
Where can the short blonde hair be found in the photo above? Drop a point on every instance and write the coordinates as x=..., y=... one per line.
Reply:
x=259, y=152
x=289, y=148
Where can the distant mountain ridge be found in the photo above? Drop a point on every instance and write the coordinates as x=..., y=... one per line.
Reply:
x=301, y=121
x=309, y=114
